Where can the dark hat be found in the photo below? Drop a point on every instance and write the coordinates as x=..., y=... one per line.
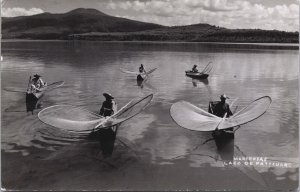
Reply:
x=195, y=65
x=37, y=76
x=223, y=96
x=108, y=96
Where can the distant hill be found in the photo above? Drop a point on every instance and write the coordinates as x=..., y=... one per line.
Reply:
x=196, y=33
x=59, y=26
x=91, y=24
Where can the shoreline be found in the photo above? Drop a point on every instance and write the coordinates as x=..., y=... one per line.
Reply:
x=154, y=42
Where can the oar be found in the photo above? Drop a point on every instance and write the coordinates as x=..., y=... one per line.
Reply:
x=104, y=121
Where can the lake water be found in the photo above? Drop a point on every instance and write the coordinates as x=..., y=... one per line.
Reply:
x=151, y=151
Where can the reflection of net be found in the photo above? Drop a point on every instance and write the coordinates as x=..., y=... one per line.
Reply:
x=77, y=119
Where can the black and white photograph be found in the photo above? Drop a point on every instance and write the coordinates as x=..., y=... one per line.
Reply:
x=149, y=95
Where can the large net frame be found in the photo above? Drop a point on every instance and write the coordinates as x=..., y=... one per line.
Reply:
x=77, y=119
x=194, y=118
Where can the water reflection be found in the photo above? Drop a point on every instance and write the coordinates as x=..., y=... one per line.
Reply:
x=91, y=68
x=107, y=138
x=196, y=81
x=33, y=103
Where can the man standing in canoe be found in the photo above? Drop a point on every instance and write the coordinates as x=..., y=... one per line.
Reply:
x=223, y=138
x=142, y=74
x=142, y=69
x=194, y=69
x=37, y=83
x=222, y=108
x=109, y=106
x=107, y=136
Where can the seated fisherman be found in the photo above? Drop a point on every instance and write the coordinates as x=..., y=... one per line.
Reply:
x=194, y=69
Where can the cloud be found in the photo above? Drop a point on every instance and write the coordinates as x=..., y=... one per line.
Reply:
x=17, y=11
x=225, y=13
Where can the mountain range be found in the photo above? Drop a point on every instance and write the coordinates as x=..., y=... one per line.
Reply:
x=91, y=24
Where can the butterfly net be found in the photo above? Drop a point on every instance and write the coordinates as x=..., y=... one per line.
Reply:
x=249, y=113
x=78, y=119
x=191, y=117
x=208, y=68
x=131, y=109
x=55, y=85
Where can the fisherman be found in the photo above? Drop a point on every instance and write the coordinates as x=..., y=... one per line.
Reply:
x=107, y=136
x=109, y=106
x=222, y=137
x=142, y=74
x=194, y=69
x=142, y=69
x=37, y=83
x=222, y=108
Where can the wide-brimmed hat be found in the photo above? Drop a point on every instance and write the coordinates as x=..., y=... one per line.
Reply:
x=223, y=96
x=108, y=96
x=37, y=76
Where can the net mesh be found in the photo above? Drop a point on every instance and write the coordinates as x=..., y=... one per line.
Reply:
x=130, y=110
x=191, y=117
x=254, y=110
x=77, y=119
x=55, y=85
x=208, y=68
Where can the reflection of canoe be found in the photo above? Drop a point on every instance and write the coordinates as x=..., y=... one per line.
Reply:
x=196, y=75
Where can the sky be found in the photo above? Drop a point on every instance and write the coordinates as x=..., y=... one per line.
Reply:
x=234, y=14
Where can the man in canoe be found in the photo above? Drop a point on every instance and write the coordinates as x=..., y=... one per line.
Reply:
x=107, y=136
x=222, y=108
x=142, y=74
x=224, y=138
x=142, y=69
x=194, y=69
x=37, y=83
x=109, y=106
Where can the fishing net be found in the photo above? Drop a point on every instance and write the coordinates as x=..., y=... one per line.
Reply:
x=69, y=117
x=151, y=71
x=191, y=117
x=135, y=107
x=78, y=119
x=55, y=85
x=249, y=113
x=208, y=68
x=130, y=110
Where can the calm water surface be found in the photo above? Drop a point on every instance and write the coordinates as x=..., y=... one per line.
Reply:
x=91, y=68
